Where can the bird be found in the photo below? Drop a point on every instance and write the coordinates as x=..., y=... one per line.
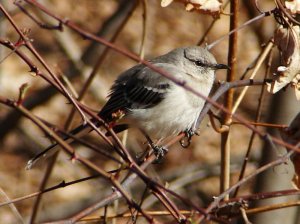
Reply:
x=142, y=98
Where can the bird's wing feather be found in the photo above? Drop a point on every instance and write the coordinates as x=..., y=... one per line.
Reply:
x=137, y=88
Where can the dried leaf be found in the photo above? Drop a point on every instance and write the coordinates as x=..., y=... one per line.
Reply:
x=165, y=3
x=296, y=85
x=208, y=5
x=291, y=135
x=293, y=6
x=189, y=7
x=212, y=7
x=288, y=43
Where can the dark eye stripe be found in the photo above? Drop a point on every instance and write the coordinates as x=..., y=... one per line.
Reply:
x=212, y=66
x=200, y=63
x=204, y=64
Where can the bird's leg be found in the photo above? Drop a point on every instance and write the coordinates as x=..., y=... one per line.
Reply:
x=159, y=151
x=186, y=140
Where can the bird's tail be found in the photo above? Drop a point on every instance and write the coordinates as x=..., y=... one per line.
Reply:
x=49, y=151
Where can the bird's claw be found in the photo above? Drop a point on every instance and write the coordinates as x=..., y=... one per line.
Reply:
x=186, y=140
x=159, y=152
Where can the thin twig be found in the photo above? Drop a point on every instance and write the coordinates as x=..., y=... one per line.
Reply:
x=272, y=207
x=228, y=100
x=263, y=196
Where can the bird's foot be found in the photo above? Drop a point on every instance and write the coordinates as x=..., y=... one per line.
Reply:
x=159, y=152
x=186, y=140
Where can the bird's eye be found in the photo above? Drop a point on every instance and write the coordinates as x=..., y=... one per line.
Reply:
x=199, y=63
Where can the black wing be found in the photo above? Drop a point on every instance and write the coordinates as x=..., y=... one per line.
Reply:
x=135, y=90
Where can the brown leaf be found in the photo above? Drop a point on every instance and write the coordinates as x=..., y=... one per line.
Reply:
x=212, y=7
x=288, y=43
x=293, y=6
x=165, y=3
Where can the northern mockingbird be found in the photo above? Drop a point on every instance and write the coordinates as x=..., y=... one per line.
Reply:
x=143, y=98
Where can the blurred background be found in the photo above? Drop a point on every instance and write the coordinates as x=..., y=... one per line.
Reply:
x=194, y=173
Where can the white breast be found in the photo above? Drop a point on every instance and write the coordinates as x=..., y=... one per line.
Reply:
x=176, y=113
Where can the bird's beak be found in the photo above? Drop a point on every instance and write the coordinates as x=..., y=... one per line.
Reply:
x=221, y=66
